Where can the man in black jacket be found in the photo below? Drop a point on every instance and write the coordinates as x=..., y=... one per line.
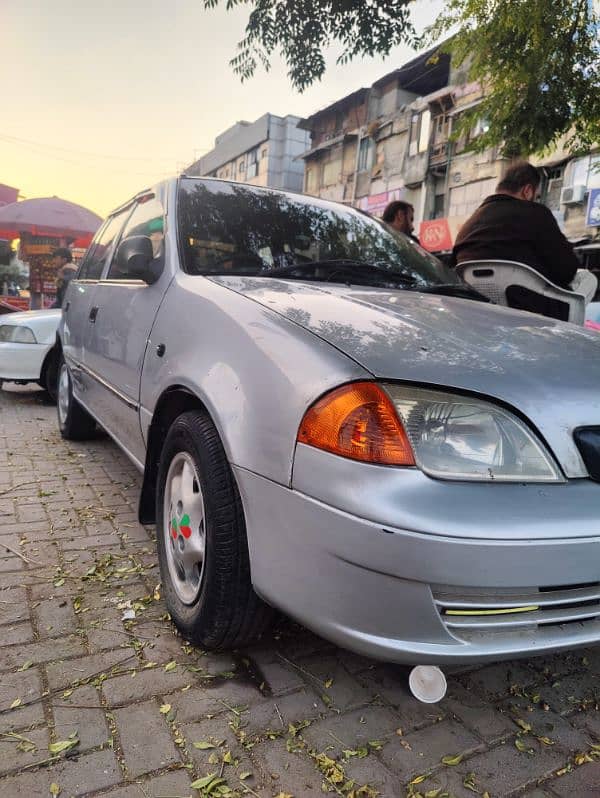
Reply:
x=511, y=225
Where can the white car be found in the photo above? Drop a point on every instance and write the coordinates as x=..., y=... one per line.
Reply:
x=26, y=348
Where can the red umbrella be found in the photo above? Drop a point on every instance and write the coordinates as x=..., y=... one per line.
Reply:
x=49, y=216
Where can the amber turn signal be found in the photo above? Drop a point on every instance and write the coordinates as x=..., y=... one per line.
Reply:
x=358, y=421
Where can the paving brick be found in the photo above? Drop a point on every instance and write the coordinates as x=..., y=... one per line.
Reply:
x=81, y=711
x=505, y=769
x=55, y=617
x=479, y=715
x=423, y=750
x=351, y=730
x=145, y=738
x=198, y=702
x=15, y=752
x=570, y=693
x=26, y=685
x=583, y=782
x=334, y=683
x=13, y=606
x=590, y=721
x=275, y=714
x=18, y=633
x=546, y=724
x=65, y=674
x=176, y=783
x=145, y=684
x=76, y=776
x=391, y=683
x=500, y=679
x=287, y=772
x=215, y=732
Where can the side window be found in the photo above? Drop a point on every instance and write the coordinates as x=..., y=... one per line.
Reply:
x=99, y=251
x=147, y=219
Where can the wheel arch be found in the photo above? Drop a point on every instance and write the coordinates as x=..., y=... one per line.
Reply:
x=172, y=403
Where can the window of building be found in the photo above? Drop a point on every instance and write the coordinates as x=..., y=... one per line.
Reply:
x=331, y=173
x=553, y=187
x=420, y=125
x=311, y=181
x=242, y=166
x=366, y=154
x=263, y=154
x=252, y=168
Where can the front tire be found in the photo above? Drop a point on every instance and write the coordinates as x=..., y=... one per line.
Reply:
x=74, y=422
x=201, y=538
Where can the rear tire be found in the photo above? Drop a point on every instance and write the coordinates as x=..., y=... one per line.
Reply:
x=49, y=375
x=74, y=422
x=201, y=538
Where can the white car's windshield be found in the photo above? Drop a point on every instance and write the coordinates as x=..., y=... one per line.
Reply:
x=228, y=228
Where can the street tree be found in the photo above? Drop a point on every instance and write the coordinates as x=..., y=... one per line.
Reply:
x=539, y=60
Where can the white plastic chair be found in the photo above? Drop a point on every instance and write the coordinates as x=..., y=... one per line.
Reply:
x=492, y=278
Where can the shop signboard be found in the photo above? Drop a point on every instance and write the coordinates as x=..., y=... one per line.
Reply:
x=435, y=235
x=592, y=216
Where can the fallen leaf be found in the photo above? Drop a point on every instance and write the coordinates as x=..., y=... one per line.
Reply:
x=328, y=683
x=521, y=746
x=452, y=760
x=63, y=745
x=16, y=703
x=54, y=789
x=26, y=665
x=245, y=775
x=523, y=724
x=419, y=779
x=170, y=666
x=165, y=709
x=203, y=746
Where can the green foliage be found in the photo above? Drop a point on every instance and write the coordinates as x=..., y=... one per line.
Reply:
x=301, y=29
x=539, y=61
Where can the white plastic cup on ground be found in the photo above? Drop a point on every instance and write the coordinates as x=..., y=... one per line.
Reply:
x=427, y=683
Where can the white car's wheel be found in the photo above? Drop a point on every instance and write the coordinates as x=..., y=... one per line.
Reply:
x=201, y=537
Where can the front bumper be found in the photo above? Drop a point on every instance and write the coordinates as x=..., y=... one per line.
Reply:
x=22, y=361
x=391, y=592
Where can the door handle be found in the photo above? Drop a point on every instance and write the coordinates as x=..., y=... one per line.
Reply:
x=67, y=305
x=93, y=314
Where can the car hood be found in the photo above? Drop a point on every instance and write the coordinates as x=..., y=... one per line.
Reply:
x=547, y=370
x=43, y=323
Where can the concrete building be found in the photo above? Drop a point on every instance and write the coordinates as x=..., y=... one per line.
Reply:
x=261, y=153
x=394, y=140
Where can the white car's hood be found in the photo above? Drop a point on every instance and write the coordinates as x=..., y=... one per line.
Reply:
x=43, y=323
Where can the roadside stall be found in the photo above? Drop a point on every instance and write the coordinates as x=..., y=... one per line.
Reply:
x=42, y=225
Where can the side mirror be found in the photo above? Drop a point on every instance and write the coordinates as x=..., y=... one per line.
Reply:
x=133, y=259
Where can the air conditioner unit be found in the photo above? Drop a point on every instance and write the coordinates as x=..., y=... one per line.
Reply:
x=573, y=195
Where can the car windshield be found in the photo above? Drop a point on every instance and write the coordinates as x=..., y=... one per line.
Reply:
x=228, y=228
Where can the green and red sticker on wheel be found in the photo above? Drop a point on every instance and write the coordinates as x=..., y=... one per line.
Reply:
x=182, y=526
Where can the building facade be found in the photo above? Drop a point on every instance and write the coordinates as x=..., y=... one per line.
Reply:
x=262, y=153
x=395, y=140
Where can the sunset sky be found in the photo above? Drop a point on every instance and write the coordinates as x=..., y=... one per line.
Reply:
x=102, y=99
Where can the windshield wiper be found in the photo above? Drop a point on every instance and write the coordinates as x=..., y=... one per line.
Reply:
x=461, y=290
x=347, y=266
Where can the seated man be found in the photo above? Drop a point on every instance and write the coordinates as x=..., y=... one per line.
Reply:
x=401, y=216
x=511, y=225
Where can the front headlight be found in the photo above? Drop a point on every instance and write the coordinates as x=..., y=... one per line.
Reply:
x=458, y=437
x=16, y=334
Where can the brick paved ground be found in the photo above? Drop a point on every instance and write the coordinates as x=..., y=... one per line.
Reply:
x=140, y=714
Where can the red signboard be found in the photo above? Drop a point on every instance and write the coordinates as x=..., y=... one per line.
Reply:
x=435, y=235
x=17, y=302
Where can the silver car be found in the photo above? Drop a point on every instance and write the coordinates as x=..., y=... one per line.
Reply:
x=330, y=424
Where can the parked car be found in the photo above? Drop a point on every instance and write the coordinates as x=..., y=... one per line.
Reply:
x=329, y=423
x=27, y=351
